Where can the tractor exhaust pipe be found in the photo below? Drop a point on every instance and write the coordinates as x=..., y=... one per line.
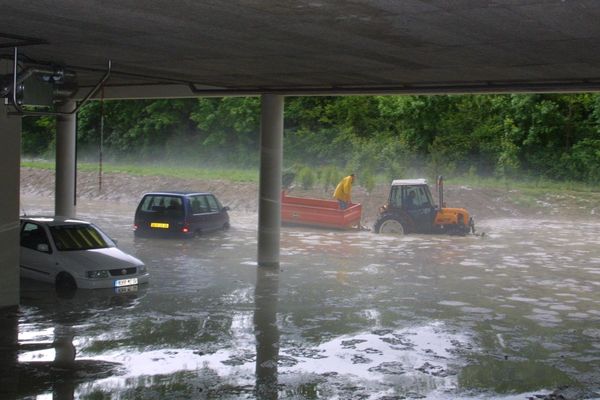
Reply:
x=440, y=190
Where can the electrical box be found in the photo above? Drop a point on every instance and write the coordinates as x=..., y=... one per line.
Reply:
x=35, y=91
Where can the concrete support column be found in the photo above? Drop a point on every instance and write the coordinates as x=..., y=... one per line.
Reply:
x=271, y=159
x=66, y=138
x=10, y=173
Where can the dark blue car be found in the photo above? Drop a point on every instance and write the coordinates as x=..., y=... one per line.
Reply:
x=179, y=214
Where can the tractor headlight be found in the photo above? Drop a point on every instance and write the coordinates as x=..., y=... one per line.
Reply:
x=101, y=274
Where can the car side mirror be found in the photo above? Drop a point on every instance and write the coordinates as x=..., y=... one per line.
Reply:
x=226, y=208
x=43, y=247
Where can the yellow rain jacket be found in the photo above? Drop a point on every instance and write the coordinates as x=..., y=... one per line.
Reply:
x=343, y=190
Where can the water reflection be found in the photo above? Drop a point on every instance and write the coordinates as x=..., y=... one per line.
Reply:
x=266, y=331
x=39, y=356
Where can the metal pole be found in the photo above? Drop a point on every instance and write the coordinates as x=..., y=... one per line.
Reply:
x=101, y=142
x=271, y=159
x=65, y=161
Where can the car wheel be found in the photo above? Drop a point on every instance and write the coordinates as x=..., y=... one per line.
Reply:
x=64, y=281
x=390, y=226
x=226, y=226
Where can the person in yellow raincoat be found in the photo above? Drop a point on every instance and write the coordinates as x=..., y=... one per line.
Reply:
x=343, y=191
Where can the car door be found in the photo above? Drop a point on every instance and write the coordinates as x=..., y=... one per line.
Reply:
x=214, y=217
x=200, y=213
x=38, y=260
x=418, y=204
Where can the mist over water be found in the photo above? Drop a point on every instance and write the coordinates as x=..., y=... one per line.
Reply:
x=349, y=315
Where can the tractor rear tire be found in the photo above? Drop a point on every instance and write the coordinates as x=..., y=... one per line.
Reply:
x=389, y=225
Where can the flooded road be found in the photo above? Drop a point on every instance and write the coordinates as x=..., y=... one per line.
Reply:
x=349, y=315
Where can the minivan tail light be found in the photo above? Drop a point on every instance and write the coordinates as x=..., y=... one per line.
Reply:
x=135, y=227
x=185, y=229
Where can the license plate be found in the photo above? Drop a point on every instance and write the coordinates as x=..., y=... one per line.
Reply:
x=160, y=225
x=126, y=282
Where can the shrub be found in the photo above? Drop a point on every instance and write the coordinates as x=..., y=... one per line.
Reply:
x=306, y=177
x=367, y=180
x=329, y=177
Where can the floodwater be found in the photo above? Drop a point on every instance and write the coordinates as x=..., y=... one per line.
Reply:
x=349, y=315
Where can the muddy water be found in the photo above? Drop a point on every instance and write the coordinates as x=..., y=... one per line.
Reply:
x=349, y=315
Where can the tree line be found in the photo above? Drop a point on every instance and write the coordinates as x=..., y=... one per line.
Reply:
x=553, y=136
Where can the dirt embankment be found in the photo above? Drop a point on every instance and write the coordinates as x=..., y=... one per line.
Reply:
x=482, y=203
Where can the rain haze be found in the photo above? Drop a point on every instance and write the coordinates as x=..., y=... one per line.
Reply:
x=483, y=284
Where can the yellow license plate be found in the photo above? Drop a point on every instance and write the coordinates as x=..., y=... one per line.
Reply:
x=160, y=225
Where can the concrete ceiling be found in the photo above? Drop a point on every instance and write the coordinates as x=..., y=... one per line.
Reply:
x=312, y=46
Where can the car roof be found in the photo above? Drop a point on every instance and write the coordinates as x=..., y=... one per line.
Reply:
x=53, y=220
x=174, y=193
x=402, y=182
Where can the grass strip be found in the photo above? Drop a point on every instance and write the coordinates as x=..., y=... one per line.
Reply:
x=184, y=172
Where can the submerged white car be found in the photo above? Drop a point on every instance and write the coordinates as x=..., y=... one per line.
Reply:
x=71, y=253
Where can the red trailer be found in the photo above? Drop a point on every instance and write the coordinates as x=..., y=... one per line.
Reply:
x=319, y=213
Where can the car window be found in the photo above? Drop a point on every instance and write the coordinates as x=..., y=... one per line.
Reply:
x=423, y=199
x=213, y=205
x=147, y=203
x=33, y=235
x=396, y=197
x=79, y=237
x=199, y=204
x=164, y=204
x=174, y=207
x=417, y=197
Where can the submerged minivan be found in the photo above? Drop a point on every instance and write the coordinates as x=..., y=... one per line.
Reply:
x=183, y=214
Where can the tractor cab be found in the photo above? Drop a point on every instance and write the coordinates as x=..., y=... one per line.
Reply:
x=413, y=198
x=410, y=209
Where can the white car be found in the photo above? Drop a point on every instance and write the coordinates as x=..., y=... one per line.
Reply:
x=71, y=253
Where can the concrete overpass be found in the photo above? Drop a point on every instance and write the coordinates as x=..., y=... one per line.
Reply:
x=166, y=49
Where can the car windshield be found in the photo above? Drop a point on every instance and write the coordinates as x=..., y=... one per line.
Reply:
x=79, y=237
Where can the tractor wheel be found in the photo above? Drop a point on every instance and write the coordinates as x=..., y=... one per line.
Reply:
x=389, y=225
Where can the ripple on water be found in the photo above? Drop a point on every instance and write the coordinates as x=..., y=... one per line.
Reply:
x=578, y=315
x=472, y=263
x=524, y=299
x=594, y=333
x=562, y=307
x=453, y=303
x=545, y=319
x=476, y=310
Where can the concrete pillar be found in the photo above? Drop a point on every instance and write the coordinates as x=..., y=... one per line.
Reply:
x=66, y=138
x=10, y=168
x=271, y=158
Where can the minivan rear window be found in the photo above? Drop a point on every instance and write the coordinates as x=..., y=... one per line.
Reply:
x=163, y=204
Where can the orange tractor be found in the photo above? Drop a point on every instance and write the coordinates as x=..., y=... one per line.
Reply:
x=410, y=209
